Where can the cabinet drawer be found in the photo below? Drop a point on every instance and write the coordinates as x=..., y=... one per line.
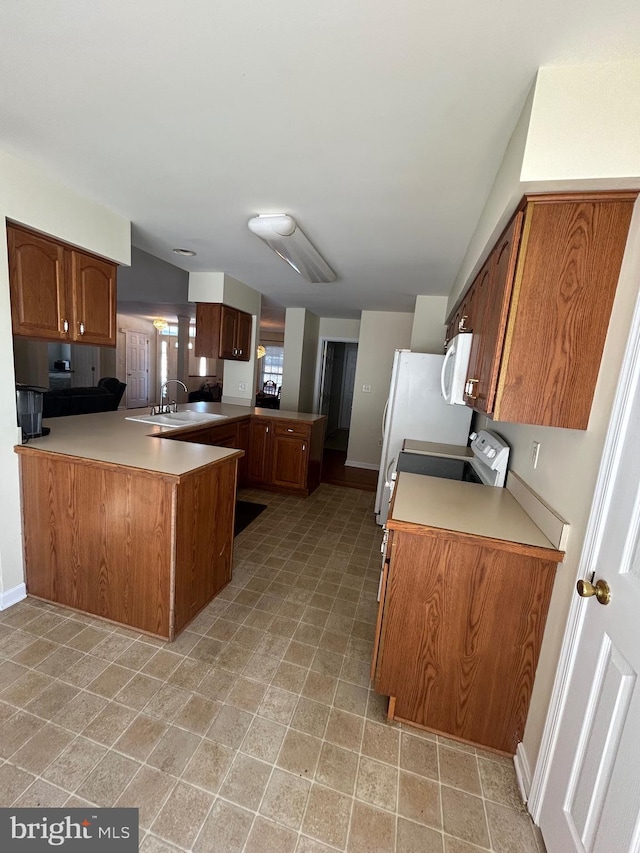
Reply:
x=224, y=435
x=291, y=428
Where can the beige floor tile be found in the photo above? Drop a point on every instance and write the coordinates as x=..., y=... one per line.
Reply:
x=300, y=654
x=459, y=769
x=344, y=729
x=418, y=756
x=197, y=715
x=108, y=779
x=78, y=713
x=35, y=652
x=173, y=751
x=290, y=677
x=13, y=783
x=456, y=845
x=261, y=667
x=24, y=689
x=371, y=829
x=267, y=837
x=41, y=749
x=278, y=705
x=136, y=655
x=264, y=739
x=17, y=730
x=381, y=742
x=310, y=845
x=51, y=700
x=110, y=680
x=285, y=798
x=499, y=783
x=337, y=768
x=189, y=674
x=167, y=703
x=310, y=717
x=246, y=694
x=60, y=662
x=217, y=684
x=246, y=781
x=182, y=815
x=419, y=799
x=41, y=794
x=147, y=792
x=355, y=671
x=299, y=753
x=320, y=687
x=110, y=723
x=510, y=830
x=74, y=764
x=416, y=838
x=225, y=830
x=463, y=816
x=10, y=672
x=209, y=765
x=377, y=783
x=327, y=816
x=162, y=664
x=141, y=737
x=350, y=697
x=230, y=726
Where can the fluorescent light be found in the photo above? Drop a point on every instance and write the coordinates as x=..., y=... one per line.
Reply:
x=281, y=233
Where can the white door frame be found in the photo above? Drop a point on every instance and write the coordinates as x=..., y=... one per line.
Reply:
x=321, y=342
x=628, y=386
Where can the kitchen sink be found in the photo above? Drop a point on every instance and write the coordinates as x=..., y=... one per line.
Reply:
x=175, y=420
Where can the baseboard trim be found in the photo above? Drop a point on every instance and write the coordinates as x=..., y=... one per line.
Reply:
x=523, y=771
x=13, y=596
x=367, y=465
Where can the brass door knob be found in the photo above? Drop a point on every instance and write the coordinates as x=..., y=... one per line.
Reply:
x=600, y=590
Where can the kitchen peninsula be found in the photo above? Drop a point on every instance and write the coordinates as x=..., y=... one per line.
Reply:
x=122, y=523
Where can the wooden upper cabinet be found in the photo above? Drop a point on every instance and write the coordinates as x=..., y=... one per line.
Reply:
x=59, y=293
x=93, y=288
x=222, y=332
x=37, y=286
x=492, y=291
x=546, y=306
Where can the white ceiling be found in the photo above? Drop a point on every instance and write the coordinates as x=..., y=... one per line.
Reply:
x=378, y=125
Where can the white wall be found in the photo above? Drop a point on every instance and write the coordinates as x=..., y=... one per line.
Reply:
x=569, y=459
x=30, y=197
x=428, y=331
x=300, y=354
x=337, y=329
x=240, y=377
x=381, y=333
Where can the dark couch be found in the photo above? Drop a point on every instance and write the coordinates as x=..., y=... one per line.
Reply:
x=105, y=397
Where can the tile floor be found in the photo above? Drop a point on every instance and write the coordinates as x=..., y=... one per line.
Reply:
x=257, y=730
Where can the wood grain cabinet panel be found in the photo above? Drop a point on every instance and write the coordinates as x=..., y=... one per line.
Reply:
x=545, y=306
x=58, y=292
x=141, y=549
x=459, y=634
x=222, y=332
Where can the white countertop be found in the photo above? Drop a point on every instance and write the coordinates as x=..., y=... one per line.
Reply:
x=108, y=437
x=463, y=507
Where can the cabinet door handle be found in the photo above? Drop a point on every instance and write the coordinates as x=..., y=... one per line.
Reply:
x=266, y=430
x=65, y=325
x=304, y=447
x=81, y=326
x=289, y=429
x=462, y=324
x=468, y=389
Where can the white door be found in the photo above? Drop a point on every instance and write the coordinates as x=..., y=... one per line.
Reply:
x=137, y=369
x=592, y=798
x=85, y=363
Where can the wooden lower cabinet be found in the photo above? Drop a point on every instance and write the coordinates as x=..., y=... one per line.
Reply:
x=286, y=456
x=459, y=631
x=142, y=549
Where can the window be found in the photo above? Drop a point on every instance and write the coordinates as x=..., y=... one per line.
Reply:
x=271, y=365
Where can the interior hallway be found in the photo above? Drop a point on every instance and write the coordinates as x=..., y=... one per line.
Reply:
x=257, y=730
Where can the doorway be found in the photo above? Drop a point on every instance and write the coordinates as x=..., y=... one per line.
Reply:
x=338, y=370
x=137, y=369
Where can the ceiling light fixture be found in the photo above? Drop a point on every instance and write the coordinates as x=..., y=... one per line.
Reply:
x=261, y=351
x=160, y=324
x=281, y=233
x=186, y=253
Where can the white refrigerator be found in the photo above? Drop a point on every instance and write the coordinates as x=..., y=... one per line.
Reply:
x=416, y=409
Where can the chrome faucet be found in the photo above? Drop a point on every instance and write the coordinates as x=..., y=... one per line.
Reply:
x=166, y=408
